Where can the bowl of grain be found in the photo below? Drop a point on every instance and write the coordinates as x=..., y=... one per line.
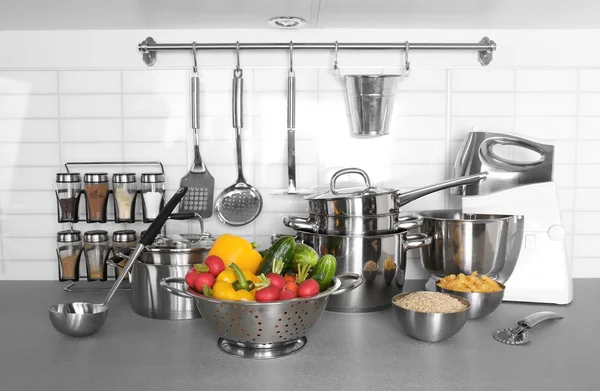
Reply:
x=484, y=294
x=430, y=316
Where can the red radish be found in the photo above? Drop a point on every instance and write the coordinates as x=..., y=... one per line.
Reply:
x=190, y=277
x=215, y=265
x=267, y=294
x=291, y=286
x=204, y=279
x=276, y=280
x=286, y=295
x=308, y=288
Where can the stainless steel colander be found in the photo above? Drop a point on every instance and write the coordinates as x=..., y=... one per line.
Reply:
x=262, y=330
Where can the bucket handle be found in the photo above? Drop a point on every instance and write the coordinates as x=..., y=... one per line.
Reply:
x=338, y=73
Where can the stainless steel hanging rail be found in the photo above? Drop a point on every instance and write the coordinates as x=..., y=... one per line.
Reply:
x=485, y=47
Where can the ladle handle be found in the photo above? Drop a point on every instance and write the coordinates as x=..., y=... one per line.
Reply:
x=147, y=239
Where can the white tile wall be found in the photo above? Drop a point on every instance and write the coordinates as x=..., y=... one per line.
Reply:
x=51, y=116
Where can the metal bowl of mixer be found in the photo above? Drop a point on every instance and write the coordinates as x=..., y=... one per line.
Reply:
x=465, y=243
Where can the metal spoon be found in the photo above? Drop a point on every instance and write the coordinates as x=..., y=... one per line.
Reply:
x=83, y=319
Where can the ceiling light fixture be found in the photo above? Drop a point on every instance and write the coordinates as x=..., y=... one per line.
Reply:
x=286, y=22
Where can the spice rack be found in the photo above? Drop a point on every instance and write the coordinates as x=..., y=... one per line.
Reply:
x=95, y=249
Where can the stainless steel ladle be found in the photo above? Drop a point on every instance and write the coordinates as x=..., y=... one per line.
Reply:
x=83, y=319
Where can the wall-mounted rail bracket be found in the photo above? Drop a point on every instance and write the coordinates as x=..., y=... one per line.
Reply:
x=149, y=56
x=485, y=56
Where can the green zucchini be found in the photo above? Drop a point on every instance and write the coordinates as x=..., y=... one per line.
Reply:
x=324, y=271
x=278, y=256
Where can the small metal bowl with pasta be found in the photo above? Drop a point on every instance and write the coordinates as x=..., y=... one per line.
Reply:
x=484, y=294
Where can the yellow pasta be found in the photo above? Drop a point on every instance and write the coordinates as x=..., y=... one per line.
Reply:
x=472, y=283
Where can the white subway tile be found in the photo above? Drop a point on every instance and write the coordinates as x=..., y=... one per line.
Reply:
x=28, y=82
x=589, y=79
x=28, y=178
x=27, y=202
x=589, y=104
x=565, y=152
x=568, y=220
x=293, y=204
x=28, y=130
x=167, y=130
x=88, y=130
x=549, y=128
x=588, y=152
x=274, y=151
x=276, y=176
x=79, y=106
x=587, y=199
x=546, y=104
x=217, y=80
x=461, y=126
x=219, y=127
x=415, y=175
x=429, y=202
x=269, y=223
x=216, y=227
x=424, y=80
x=420, y=103
x=21, y=248
x=482, y=104
x=156, y=81
x=587, y=267
x=482, y=80
x=84, y=82
x=30, y=270
x=273, y=103
x=587, y=223
x=30, y=225
x=357, y=151
x=546, y=80
x=224, y=152
x=426, y=152
x=28, y=106
x=85, y=152
x=332, y=109
x=589, y=128
x=157, y=105
x=564, y=175
x=328, y=82
x=566, y=199
x=416, y=127
x=588, y=175
x=30, y=154
x=173, y=154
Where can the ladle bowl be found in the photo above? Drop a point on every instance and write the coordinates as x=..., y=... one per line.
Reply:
x=83, y=319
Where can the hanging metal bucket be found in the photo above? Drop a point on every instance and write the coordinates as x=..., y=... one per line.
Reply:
x=371, y=102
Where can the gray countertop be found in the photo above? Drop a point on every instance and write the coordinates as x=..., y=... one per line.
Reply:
x=344, y=351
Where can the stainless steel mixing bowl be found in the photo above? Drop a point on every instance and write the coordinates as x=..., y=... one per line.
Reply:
x=464, y=243
x=482, y=304
x=429, y=326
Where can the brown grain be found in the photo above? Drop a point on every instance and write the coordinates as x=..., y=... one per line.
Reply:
x=431, y=302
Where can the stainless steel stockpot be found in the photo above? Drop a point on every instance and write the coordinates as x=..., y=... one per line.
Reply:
x=380, y=259
x=370, y=200
x=339, y=225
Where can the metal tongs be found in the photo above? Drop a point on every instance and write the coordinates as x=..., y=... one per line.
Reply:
x=519, y=335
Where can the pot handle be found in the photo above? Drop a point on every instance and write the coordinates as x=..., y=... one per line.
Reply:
x=300, y=223
x=416, y=241
x=358, y=280
x=404, y=198
x=345, y=171
x=165, y=284
x=408, y=222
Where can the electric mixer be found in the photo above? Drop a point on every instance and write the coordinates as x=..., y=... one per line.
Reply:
x=520, y=187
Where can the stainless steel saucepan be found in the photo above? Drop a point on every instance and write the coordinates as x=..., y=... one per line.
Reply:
x=339, y=225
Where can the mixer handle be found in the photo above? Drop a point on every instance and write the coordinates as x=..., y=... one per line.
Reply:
x=487, y=152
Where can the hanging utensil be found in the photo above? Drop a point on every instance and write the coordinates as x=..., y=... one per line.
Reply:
x=83, y=319
x=200, y=183
x=519, y=334
x=240, y=203
x=291, y=130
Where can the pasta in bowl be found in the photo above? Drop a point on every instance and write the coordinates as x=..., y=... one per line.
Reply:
x=484, y=294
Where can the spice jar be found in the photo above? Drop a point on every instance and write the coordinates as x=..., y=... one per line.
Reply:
x=96, y=195
x=153, y=195
x=96, y=249
x=68, y=191
x=124, y=188
x=68, y=250
x=124, y=242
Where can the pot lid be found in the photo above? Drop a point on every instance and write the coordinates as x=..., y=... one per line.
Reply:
x=182, y=243
x=350, y=192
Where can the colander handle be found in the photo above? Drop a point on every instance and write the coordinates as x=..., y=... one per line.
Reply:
x=358, y=280
x=165, y=283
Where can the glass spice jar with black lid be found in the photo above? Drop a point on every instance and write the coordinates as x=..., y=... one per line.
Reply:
x=96, y=250
x=153, y=195
x=124, y=189
x=124, y=242
x=68, y=251
x=96, y=196
x=68, y=192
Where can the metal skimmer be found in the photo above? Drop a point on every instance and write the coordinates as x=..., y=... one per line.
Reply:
x=240, y=203
x=200, y=183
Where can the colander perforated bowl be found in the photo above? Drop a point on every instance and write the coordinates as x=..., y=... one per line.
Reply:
x=262, y=330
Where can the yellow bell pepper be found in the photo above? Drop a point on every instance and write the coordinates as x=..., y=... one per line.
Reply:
x=224, y=289
x=228, y=275
x=234, y=249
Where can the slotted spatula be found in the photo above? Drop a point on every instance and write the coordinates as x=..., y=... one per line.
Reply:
x=200, y=184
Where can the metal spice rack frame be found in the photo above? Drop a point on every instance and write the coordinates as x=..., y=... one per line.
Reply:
x=104, y=285
x=485, y=47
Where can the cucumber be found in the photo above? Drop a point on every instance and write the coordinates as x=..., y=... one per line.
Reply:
x=324, y=271
x=283, y=251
